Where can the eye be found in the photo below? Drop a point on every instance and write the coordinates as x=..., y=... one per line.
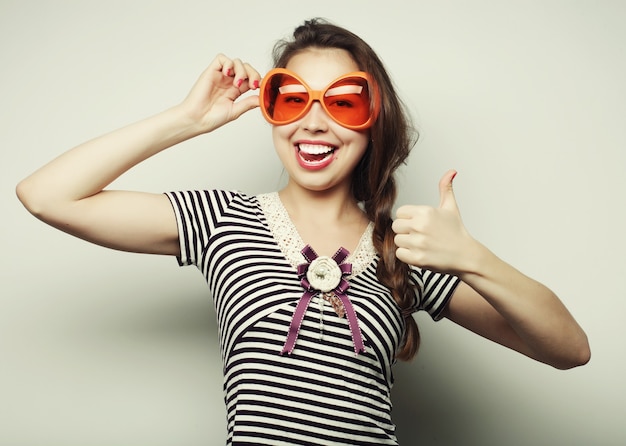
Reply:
x=341, y=103
x=292, y=94
x=293, y=99
x=343, y=96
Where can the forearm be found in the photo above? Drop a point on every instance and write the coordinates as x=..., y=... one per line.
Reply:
x=90, y=167
x=494, y=300
x=536, y=315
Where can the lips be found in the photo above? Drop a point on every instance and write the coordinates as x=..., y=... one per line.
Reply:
x=314, y=156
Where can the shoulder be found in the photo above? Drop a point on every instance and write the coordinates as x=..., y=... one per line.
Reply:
x=212, y=198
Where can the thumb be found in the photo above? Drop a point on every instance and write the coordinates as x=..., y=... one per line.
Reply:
x=244, y=105
x=446, y=193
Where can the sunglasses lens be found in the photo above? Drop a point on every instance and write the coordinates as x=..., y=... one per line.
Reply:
x=284, y=97
x=348, y=101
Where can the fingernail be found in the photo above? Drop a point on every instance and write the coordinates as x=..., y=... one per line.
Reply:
x=255, y=84
x=228, y=72
x=453, y=175
x=239, y=82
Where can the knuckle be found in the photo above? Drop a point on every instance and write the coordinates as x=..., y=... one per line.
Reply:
x=397, y=240
x=417, y=226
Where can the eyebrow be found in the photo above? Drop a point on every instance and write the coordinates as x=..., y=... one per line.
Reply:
x=292, y=88
x=342, y=89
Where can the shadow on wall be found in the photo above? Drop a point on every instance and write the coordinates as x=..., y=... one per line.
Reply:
x=486, y=407
x=160, y=321
x=427, y=412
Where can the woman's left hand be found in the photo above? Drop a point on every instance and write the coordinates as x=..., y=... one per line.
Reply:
x=434, y=238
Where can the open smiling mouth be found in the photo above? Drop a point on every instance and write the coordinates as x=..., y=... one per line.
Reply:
x=315, y=154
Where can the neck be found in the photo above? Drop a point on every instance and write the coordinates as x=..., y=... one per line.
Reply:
x=335, y=205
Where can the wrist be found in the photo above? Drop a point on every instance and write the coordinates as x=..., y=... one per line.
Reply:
x=184, y=123
x=476, y=261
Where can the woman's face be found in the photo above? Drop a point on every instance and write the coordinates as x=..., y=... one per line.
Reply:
x=318, y=153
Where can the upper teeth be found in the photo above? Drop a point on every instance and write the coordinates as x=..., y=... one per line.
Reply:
x=315, y=149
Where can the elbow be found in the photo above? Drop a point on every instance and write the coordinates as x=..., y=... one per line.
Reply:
x=21, y=190
x=27, y=197
x=577, y=356
x=34, y=199
x=583, y=356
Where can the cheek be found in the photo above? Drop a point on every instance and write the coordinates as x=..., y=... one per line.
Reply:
x=364, y=140
x=281, y=135
x=358, y=143
x=361, y=148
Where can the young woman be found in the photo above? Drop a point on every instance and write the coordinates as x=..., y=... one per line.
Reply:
x=314, y=285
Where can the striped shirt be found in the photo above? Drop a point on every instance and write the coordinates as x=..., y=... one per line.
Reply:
x=322, y=393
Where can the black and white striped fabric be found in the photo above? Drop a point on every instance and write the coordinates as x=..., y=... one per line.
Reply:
x=321, y=394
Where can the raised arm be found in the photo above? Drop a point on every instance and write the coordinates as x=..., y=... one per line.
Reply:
x=494, y=299
x=68, y=193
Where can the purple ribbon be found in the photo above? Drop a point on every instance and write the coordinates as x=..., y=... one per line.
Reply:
x=309, y=292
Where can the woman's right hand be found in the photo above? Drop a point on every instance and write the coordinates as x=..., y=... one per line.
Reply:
x=213, y=100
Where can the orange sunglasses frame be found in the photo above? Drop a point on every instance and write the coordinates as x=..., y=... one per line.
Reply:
x=318, y=95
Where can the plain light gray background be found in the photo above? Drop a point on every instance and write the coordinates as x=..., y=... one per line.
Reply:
x=526, y=99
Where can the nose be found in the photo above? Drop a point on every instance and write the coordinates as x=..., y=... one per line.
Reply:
x=316, y=119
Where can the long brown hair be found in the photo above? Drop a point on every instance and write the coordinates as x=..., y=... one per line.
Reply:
x=373, y=182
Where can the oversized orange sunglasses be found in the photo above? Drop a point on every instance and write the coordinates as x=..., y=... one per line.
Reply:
x=351, y=100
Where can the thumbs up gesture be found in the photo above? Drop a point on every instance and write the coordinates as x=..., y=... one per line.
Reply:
x=433, y=238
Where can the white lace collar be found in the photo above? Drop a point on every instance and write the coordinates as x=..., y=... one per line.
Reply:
x=290, y=242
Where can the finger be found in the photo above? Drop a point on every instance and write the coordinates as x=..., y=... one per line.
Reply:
x=413, y=242
x=245, y=76
x=401, y=226
x=407, y=256
x=224, y=64
x=254, y=77
x=238, y=73
x=403, y=254
x=406, y=211
x=403, y=241
x=244, y=105
x=415, y=216
x=220, y=65
x=446, y=192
